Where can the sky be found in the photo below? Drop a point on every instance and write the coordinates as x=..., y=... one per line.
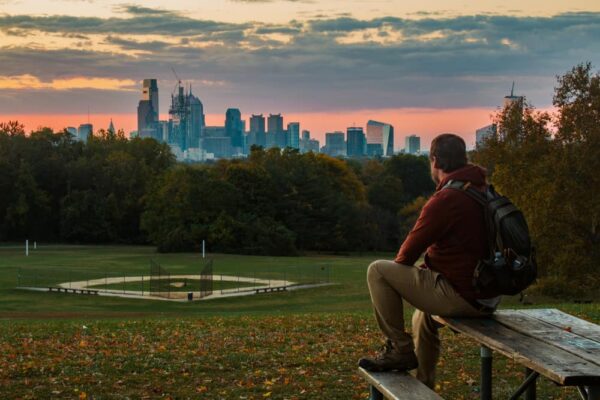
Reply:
x=426, y=67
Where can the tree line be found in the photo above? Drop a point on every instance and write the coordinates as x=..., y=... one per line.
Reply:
x=114, y=190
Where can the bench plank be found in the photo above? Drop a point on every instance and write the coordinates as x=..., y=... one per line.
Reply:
x=563, y=320
x=551, y=334
x=559, y=365
x=399, y=385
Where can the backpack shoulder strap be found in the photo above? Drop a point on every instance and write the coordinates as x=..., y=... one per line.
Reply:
x=482, y=199
x=467, y=189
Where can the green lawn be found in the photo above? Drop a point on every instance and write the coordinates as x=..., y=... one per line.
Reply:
x=291, y=345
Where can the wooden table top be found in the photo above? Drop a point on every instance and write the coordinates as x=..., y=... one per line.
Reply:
x=564, y=348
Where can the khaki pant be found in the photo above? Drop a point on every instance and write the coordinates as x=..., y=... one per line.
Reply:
x=431, y=294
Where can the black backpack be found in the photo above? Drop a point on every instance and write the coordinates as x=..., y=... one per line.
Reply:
x=511, y=265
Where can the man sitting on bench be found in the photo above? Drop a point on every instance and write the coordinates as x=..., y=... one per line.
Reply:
x=451, y=229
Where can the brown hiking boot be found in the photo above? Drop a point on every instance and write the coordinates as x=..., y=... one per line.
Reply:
x=390, y=358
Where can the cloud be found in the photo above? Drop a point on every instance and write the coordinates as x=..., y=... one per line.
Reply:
x=144, y=11
x=142, y=22
x=125, y=44
x=332, y=63
x=30, y=82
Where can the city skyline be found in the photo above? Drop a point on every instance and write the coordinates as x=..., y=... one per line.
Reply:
x=424, y=72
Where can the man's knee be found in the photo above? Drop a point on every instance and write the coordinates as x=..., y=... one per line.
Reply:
x=374, y=271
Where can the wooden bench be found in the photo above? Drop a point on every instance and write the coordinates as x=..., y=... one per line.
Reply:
x=547, y=342
x=73, y=290
x=396, y=386
x=271, y=289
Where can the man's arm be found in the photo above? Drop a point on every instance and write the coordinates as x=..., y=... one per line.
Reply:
x=432, y=224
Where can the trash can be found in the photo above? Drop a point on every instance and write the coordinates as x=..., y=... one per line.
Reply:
x=190, y=296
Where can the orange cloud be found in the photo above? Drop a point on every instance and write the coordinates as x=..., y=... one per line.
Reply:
x=29, y=82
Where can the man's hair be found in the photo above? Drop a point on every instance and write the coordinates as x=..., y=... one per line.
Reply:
x=450, y=152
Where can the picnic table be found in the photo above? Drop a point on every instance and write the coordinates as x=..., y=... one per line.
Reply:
x=547, y=342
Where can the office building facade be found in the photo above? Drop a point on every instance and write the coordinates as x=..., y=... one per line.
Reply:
x=275, y=132
x=84, y=131
x=335, y=144
x=412, y=144
x=356, y=142
x=382, y=134
x=257, y=133
x=147, y=111
x=234, y=129
x=293, y=135
x=483, y=134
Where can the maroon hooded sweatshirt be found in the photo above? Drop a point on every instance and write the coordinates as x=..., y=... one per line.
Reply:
x=451, y=228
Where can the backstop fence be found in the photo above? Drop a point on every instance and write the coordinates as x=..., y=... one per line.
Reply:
x=160, y=281
x=206, y=279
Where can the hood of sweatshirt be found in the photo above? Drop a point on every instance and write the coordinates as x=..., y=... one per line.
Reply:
x=469, y=173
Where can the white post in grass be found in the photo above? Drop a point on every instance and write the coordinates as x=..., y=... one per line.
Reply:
x=35, y=245
x=27, y=248
x=203, y=249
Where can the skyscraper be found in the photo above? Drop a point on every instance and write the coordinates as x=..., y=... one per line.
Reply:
x=356, y=144
x=514, y=101
x=234, y=128
x=293, y=135
x=313, y=145
x=257, y=131
x=147, y=111
x=150, y=93
x=513, y=104
x=196, y=114
x=335, y=145
x=412, y=144
x=186, y=120
x=275, y=132
x=84, y=131
x=305, y=142
x=482, y=134
x=380, y=133
x=72, y=130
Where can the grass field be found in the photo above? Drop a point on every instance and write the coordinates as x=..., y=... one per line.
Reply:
x=291, y=345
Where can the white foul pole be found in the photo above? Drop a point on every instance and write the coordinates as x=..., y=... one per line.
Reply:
x=27, y=248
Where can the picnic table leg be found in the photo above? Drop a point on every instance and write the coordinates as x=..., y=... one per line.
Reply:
x=375, y=394
x=528, y=387
x=593, y=392
x=530, y=394
x=486, y=373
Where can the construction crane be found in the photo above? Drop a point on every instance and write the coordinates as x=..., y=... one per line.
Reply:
x=178, y=81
